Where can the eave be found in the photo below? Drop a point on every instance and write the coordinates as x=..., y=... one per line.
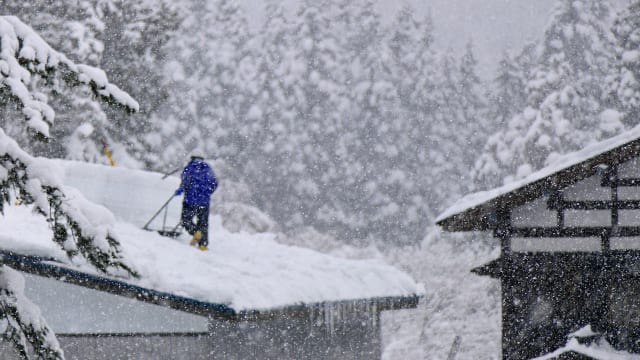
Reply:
x=51, y=268
x=481, y=215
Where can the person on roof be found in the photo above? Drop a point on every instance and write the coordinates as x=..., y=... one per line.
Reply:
x=198, y=184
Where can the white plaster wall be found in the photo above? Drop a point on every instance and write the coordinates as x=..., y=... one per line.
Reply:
x=590, y=244
x=625, y=243
x=629, y=217
x=587, y=189
x=534, y=213
x=629, y=193
x=629, y=169
x=588, y=218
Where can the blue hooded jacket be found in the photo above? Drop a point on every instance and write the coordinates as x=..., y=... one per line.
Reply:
x=198, y=183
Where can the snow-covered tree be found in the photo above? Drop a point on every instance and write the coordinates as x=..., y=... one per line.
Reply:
x=72, y=28
x=25, y=56
x=21, y=322
x=626, y=85
x=472, y=107
x=175, y=126
x=507, y=99
x=311, y=78
x=124, y=38
x=565, y=93
x=222, y=52
x=511, y=82
x=211, y=74
x=135, y=37
x=449, y=134
x=407, y=126
x=274, y=152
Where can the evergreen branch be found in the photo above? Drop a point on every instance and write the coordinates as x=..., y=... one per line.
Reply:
x=22, y=326
x=67, y=231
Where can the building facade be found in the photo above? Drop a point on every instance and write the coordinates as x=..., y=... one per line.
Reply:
x=570, y=249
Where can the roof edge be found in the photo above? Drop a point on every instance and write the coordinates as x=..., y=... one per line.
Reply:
x=304, y=309
x=52, y=268
x=480, y=214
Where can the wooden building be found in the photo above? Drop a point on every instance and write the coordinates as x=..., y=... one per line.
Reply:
x=327, y=330
x=570, y=248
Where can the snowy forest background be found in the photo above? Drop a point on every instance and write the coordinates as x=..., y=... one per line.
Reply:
x=351, y=133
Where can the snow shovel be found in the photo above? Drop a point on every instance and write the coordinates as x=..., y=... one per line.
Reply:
x=172, y=232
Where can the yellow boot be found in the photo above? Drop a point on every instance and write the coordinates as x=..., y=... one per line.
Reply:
x=202, y=247
x=196, y=237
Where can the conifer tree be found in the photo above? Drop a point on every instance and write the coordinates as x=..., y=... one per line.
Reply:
x=26, y=56
x=507, y=99
x=447, y=137
x=315, y=82
x=472, y=108
x=72, y=28
x=133, y=34
x=276, y=141
x=509, y=95
x=207, y=73
x=176, y=125
x=565, y=92
x=412, y=124
x=626, y=85
x=225, y=49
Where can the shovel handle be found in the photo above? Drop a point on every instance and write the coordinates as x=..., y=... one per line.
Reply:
x=145, y=227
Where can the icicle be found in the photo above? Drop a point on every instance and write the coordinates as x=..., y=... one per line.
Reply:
x=374, y=315
x=332, y=319
x=326, y=317
x=312, y=320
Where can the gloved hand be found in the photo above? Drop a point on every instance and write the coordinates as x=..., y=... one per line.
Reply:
x=178, y=192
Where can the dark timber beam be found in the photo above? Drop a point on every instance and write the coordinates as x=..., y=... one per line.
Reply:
x=624, y=231
x=596, y=205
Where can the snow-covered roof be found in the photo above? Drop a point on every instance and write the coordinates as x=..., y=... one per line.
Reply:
x=474, y=211
x=243, y=272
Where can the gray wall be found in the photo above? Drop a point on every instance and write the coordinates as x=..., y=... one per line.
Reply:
x=332, y=333
x=138, y=346
x=351, y=336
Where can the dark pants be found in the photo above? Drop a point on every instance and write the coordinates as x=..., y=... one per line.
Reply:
x=199, y=213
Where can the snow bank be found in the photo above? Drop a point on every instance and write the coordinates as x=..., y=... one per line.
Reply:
x=243, y=271
x=599, y=348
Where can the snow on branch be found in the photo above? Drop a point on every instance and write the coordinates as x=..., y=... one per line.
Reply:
x=82, y=229
x=21, y=320
x=73, y=220
x=78, y=226
x=24, y=53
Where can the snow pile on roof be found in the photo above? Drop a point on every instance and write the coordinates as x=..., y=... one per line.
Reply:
x=20, y=43
x=562, y=162
x=243, y=271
